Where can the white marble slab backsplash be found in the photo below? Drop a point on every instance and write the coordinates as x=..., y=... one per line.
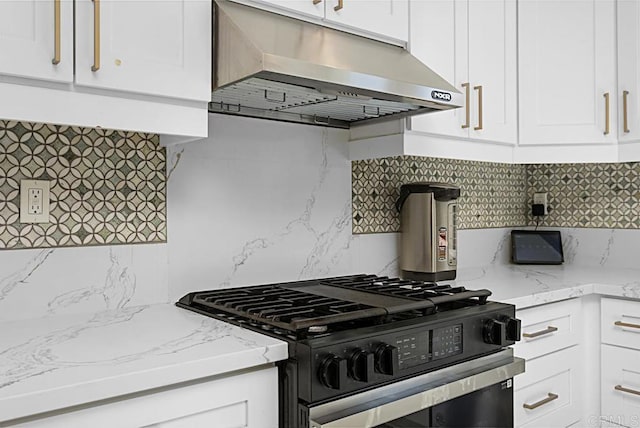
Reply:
x=243, y=213
x=43, y=282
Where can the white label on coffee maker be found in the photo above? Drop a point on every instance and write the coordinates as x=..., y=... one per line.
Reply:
x=442, y=244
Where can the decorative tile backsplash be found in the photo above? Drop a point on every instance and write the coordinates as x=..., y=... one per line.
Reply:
x=492, y=194
x=107, y=187
x=603, y=195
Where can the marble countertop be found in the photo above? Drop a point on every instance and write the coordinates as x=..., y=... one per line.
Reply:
x=65, y=360
x=531, y=285
x=56, y=362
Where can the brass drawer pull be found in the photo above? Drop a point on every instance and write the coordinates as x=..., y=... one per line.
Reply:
x=479, y=89
x=56, y=32
x=467, y=100
x=317, y=1
x=547, y=330
x=549, y=399
x=625, y=126
x=339, y=6
x=96, y=36
x=606, y=118
x=627, y=390
x=626, y=324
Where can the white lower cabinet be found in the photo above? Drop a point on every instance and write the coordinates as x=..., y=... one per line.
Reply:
x=248, y=399
x=548, y=393
x=550, y=327
x=620, y=386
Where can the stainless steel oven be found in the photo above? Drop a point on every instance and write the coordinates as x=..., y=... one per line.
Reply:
x=475, y=393
x=369, y=351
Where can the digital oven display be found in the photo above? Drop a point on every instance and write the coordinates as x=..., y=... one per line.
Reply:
x=430, y=345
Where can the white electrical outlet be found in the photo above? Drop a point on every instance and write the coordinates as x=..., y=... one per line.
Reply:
x=34, y=201
x=541, y=198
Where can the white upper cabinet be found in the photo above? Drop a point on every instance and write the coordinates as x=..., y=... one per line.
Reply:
x=472, y=44
x=36, y=39
x=386, y=17
x=567, y=73
x=145, y=46
x=314, y=8
x=629, y=70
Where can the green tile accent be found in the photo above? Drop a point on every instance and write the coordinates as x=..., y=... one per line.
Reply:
x=107, y=187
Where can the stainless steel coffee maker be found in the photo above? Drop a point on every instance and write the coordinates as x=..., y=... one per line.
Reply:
x=428, y=220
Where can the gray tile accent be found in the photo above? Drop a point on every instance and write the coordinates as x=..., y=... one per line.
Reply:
x=107, y=187
x=492, y=194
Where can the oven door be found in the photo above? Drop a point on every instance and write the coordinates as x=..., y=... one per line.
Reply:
x=478, y=392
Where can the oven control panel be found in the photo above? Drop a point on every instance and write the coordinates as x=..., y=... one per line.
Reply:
x=384, y=354
x=429, y=345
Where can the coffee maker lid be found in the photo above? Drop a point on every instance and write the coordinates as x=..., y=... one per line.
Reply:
x=441, y=191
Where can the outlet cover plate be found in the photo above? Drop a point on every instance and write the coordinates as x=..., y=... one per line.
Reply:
x=25, y=202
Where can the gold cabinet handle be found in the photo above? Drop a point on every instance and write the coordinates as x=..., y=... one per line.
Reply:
x=606, y=112
x=626, y=324
x=56, y=32
x=96, y=35
x=550, y=397
x=627, y=390
x=479, y=89
x=547, y=330
x=467, y=100
x=317, y=1
x=339, y=6
x=625, y=123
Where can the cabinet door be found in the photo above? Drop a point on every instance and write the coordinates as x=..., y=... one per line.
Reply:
x=248, y=400
x=152, y=47
x=28, y=31
x=388, y=18
x=621, y=386
x=492, y=69
x=547, y=394
x=307, y=7
x=566, y=66
x=442, y=46
x=629, y=69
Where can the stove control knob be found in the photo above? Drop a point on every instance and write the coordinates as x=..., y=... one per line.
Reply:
x=361, y=365
x=495, y=332
x=333, y=372
x=503, y=331
x=513, y=328
x=386, y=359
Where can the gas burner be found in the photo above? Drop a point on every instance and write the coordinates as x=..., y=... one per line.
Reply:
x=342, y=303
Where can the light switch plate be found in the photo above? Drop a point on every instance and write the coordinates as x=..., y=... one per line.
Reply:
x=34, y=201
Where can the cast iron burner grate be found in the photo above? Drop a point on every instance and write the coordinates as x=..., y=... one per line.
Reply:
x=310, y=306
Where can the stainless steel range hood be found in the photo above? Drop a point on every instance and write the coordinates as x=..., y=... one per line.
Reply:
x=275, y=67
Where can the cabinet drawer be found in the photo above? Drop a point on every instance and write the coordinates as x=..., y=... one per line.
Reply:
x=551, y=385
x=620, y=386
x=548, y=328
x=621, y=322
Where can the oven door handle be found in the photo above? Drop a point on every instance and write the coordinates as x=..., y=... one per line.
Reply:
x=390, y=402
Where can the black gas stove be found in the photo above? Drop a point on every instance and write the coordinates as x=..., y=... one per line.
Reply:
x=354, y=335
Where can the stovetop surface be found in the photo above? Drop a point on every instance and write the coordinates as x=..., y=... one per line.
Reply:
x=297, y=310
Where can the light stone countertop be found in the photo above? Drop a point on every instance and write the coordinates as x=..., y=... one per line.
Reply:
x=65, y=360
x=56, y=362
x=531, y=285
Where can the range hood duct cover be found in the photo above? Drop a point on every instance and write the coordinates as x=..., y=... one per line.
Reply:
x=275, y=67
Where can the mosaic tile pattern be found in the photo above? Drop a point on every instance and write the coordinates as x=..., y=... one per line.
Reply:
x=107, y=187
x=605, y=195
x=492, y=194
